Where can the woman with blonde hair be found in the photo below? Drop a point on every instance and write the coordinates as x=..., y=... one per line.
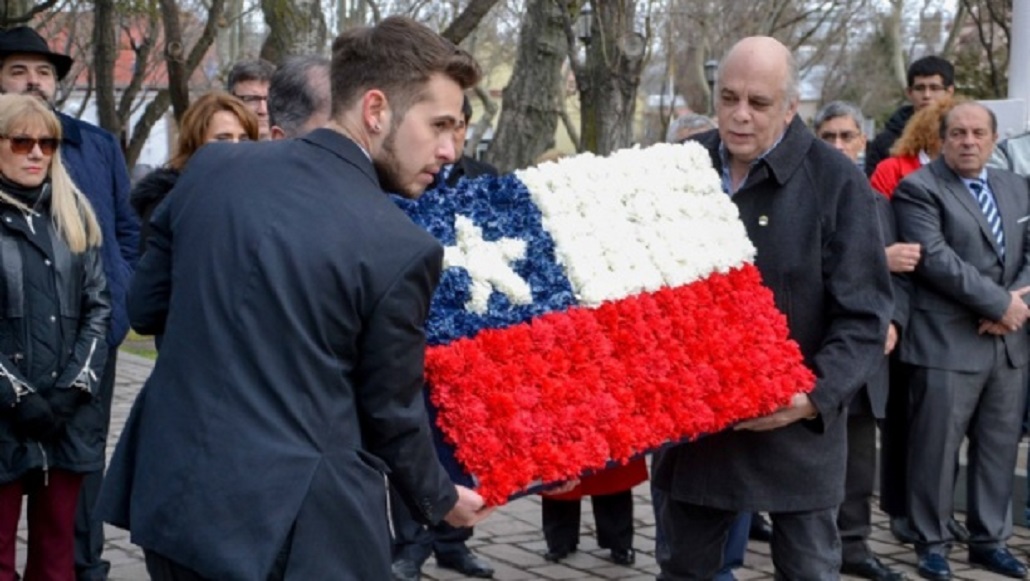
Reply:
x=214, y=117
x=919, y=144
x=52, y=341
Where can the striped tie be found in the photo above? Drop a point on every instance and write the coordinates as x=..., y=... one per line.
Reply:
x=983, y=197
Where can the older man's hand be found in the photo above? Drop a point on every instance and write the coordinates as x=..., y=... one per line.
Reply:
x=800, y=408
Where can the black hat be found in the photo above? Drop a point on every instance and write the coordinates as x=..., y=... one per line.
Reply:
x=24, y=40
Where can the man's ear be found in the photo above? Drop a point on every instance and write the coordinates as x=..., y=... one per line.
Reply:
x=375, y=111
x=276, y=132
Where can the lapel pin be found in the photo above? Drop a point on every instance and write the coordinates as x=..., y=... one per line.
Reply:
x=763, y=220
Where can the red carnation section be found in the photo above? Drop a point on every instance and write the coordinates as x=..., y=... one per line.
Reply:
x=567, y=392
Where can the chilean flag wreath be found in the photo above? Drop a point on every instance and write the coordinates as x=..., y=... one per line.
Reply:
x=593, y=309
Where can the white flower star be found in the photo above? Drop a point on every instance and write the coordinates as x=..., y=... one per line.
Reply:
x=488, y=263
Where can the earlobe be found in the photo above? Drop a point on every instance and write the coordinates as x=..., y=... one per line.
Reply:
x=374, y=109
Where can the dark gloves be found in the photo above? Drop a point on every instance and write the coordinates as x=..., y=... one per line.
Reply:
x=65, y=402
x=32, y=418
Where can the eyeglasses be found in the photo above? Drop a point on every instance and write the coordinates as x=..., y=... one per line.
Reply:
x=248, y=99
x=23, y=145
x=845, y=136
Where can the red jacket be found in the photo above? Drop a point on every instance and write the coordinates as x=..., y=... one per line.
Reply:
x=889, y=172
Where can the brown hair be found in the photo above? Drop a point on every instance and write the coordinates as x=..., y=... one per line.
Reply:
x=70, y=211
x=396, y=56
x=197, y=119
x=923, y=130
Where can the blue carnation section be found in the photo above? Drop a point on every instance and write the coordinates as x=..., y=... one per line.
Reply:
x=501, y=206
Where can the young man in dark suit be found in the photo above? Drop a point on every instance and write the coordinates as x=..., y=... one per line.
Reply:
x=292, y=292
x=412, y=542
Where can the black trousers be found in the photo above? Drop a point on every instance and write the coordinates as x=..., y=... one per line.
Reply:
x=854, y=518
x=415, y=542
x=805, y=545
x=89, y=529
x=613, y=515
x=894, y=442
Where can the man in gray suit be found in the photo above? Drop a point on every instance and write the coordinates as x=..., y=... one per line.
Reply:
x=965, y=339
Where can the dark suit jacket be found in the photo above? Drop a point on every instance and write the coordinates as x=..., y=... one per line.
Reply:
x=291, y=293
x=877, y=388
x=810, y=213
x=961, y=279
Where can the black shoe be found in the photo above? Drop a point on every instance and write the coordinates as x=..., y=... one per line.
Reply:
x=468, y=564
x=623, y=556
x=871, y=568
x=760, y=529
x=934, y=567
x=556, y=555
x=406, y=570
x=958, y=530
x=998, y=561
x=901, y=530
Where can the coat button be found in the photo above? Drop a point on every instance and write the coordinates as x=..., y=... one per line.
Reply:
x=46, y=261
x=52, y=318
x=53, y=374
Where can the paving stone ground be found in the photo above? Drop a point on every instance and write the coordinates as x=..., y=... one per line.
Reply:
x=512, y=539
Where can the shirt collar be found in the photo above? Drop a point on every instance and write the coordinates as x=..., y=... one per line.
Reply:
x=982, y=178
x=724, y=155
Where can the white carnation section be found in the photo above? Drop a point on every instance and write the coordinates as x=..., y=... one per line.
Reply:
x=638, y=220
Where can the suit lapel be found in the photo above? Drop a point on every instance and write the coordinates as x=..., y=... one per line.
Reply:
x=958, y=190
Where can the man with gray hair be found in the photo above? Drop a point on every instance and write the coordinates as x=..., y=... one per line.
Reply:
x=248, y=81
x=839, y=124
x=298, y=96
x=822, y=257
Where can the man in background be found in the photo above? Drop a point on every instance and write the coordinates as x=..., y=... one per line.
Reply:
x=298, y=96
x=839, y=124
x=929, y=79
x=248, y=81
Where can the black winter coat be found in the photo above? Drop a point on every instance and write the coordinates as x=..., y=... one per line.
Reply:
x=50, y=359
x=811, y=215
x=147, y=194
x=879, y=148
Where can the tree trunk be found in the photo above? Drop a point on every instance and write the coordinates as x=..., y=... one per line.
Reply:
x=155, y=110
x=894, y=35
x=105, y=49
x=529, y=113
x=295, y=27
x=468, y=20
x=175, y=59
x=608, y=82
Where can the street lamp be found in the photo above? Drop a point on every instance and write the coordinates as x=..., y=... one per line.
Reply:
x=584, y=24
x=711, y=67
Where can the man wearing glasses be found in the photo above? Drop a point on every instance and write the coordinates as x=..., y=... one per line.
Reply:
x=248, y=81
x=929, y=79
x=840, y=125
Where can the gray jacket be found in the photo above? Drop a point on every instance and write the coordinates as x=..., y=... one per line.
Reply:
x=961, y=279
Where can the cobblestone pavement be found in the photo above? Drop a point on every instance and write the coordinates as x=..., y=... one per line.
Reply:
x=512, y=539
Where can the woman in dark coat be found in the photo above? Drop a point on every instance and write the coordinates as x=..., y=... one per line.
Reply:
x=215, y=116
x=52, y=348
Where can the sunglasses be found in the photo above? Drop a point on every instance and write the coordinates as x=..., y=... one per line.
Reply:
x=23, y=145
